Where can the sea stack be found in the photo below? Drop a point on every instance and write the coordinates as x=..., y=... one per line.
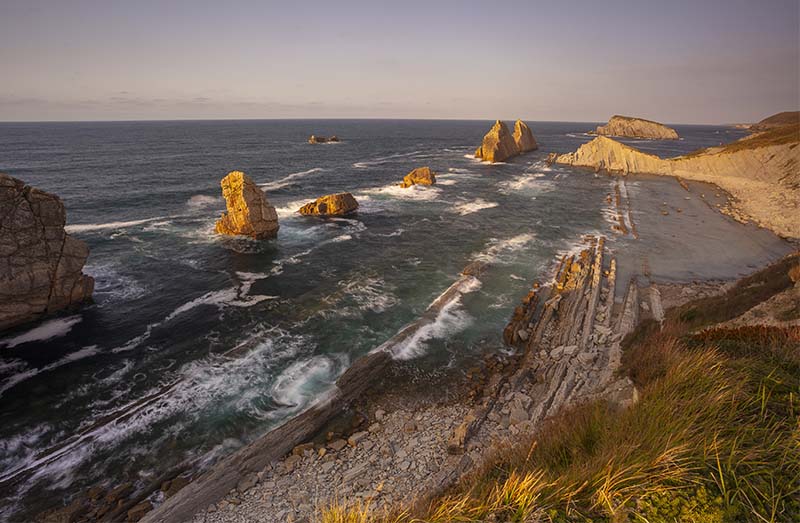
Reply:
x=419, y=176
x=322, y=139
x=523, y=137
x=331, y=205
x=629, y=127
x=498, y=144
x=42, y=265
x=249, y=212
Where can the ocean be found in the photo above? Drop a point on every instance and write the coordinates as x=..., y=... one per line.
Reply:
x=196, y=343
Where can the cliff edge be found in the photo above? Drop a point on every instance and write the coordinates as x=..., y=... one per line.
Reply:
x=762, y=172
x=629, y=127
x=40, y=264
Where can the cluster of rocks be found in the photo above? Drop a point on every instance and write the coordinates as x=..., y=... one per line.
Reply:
x=630, y=127
x=499, y=144
x=338, y=204
x=419, y=176
x=321, y=139
x=248, y=211
x=42, y=265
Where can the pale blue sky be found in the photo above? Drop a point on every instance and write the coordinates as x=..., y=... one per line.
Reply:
x=679, y=61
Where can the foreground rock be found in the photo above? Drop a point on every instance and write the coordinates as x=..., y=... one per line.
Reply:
x=41, y=264
x=760, y=171
x=419, y=176
x=249, y=212
x=629, y=127
x=777, y=120
x=322, y=139
x=331, y=205
x=498, y=145
x=523, y=137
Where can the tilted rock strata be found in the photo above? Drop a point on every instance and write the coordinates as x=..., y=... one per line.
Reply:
x=249, y=212
x=764, y=178
x=40, y=264
x=626, y=126
x=419, y=176
x=331, y=205
x=498, y=144
x=523, y=137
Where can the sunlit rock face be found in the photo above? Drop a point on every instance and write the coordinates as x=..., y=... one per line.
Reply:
x=331, y=205
x=629, y=127
x=40, y=264
x=523, y=137
x=498, y=145
x=248, y=211
x=419, y=176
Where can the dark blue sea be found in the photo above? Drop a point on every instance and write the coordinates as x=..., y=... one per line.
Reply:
x=173, y=300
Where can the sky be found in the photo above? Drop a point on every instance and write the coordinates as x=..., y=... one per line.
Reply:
x=677, y=61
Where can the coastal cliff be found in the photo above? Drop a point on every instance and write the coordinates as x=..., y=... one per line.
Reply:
x=41, y=269
x=629, y=127
x=761, y=172
x=776, y=120
x=249, y=212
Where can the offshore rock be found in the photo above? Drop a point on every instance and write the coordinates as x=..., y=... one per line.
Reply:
x=40, y=264
x=419, y=176
x=523, y=137
x=322, y=139
x=629, y=127
x=331, y=205
x=498, y=144
x=249, y=212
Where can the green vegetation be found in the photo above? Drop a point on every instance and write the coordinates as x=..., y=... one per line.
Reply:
x=715, y=436
x=786, y=134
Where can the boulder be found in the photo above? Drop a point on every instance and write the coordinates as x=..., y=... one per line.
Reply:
x=523, y=137
x=498, y=144
x=331, y=205
x=419, y=176
x=321, y=139
x=629, y=127
x=249, y=212
x=41, y=269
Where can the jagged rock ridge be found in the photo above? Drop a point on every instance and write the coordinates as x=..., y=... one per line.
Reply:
x=40, y=264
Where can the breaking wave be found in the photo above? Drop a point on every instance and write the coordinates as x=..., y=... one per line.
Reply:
x=289, y=179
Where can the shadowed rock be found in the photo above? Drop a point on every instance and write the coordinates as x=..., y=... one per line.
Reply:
x=40, y=264
x=249, y=212
x=331, y=205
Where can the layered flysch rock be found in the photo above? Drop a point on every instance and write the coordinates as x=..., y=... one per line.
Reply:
x=760, y=171
x=419, y=176
x=331, y=205
x=523, y=137
x=249, y=212
x=40, y=264
x=498, y=144
x=629, y=127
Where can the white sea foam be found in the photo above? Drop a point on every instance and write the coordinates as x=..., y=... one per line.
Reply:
x=289, y=179
x=291, y=208
x=201, y=201
x=525, y=182
x=415, y=192
x=298, y=382
x=382, y=160
x=89, y=227
x=18, y=378
x=475, y=205
x=446, y=182
x=502, y=250
x=54, y=328
x=111, y=285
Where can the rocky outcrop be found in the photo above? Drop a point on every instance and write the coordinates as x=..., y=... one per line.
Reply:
x=498, y=145
x=322, y=139
x=777, y=120
x=40, y=264
x=419, y=176
x=249, y=212
x=523, y=137
x=761, y=172
x=331, y=205
x=629, y=127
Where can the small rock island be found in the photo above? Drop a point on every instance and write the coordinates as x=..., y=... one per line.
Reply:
x=337, y=204
x=419, y=176
x=322, y=139
x=499, y=144
x=248, y=211
x=630, y=127
x=42, y=273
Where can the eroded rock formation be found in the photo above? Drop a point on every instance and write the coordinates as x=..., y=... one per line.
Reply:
x=523, y=137
x=331, y=205
x=249, y=213
x=40, y=264
x=760, y=171
x=322, y=139
x=498, y=144
x=629, y=127
x=419, y=176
